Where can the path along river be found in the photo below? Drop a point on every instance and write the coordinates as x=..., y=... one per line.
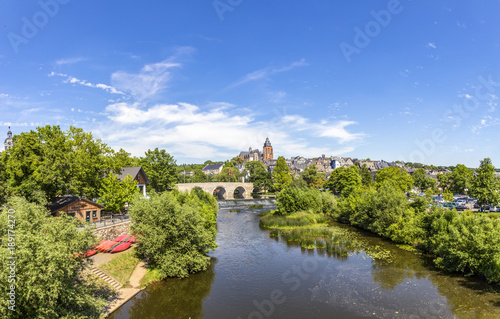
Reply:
x=255, y=276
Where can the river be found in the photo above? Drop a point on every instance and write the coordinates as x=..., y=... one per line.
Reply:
x=253, y=275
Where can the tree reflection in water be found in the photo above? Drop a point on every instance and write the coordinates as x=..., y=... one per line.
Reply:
x=173, y=298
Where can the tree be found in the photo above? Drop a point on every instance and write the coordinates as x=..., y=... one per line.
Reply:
x=444, y=181
x=258, y=175
x=229, y=173
x=159, y=166
x=344, y=180
x=175, y=231
x=48, y=276
x=398, y=176
x=90, y=161
x=122, y=159
x=48, y=162
x=485, y=184
x=200, y=177
x=281, y=175
x=422, y=181
x=114, y=194
x=460, y=179
x=311, y=176
x=237, y=160
x=366, y=176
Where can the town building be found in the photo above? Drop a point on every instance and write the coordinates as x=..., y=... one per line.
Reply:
x=268, y=150
x=82, y=209
x=138, y=175
x=8, y=141
x=267, y=155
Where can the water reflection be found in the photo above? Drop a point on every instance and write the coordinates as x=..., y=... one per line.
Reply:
x=251, y=264
x=172, y=298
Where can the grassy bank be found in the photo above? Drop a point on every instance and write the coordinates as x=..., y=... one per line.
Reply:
x=121, y=267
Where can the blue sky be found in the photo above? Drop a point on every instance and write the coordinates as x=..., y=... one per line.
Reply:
x=392, y=80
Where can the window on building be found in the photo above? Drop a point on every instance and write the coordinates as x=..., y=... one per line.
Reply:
x=87, y=215
x=94, y=214
x=72, y=214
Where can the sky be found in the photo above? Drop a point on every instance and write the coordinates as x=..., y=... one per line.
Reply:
x=405, y=80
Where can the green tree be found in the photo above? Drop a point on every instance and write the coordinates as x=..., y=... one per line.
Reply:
x=485, y=184
x=447, y=196
x=114, y=194
x=398, y=176
x=175, y=231
x=281, y=175
x=229, y=173
x=48, y=277
x=344, y=180
x=422, y=181
x=48, y=162
x=311, y=176
x=123, y=158
x=292, y=199
x=200, y=177
x=366, y=176
x=237, y=160
x=258, y=175
x=90, y=161
x=460, y=179
x=444, y=181
x=159, y=166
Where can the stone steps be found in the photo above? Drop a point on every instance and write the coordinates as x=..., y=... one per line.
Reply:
x=107, y=278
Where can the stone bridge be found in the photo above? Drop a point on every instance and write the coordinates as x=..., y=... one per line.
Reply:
x=221, y=190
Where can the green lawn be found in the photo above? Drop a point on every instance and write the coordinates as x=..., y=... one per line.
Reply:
x=122, y=266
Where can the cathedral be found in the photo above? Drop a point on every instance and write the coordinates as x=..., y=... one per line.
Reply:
x=8, y=141
x=256, y=155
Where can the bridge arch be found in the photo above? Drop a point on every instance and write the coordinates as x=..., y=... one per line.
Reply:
x=244, y=190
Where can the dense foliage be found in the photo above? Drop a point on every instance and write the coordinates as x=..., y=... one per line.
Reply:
x=485, y=184
x=160, y=168
x=114, y=193
x=343, y=180
x=47, y=282
x=281, y=175
x=312, y=177
x=258, y=175
x=48, y=162
x=293, y=199
x=175, y=230
x=399, y=177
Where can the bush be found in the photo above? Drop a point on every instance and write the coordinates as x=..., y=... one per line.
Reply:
x=175, y=231
x=292, y=199
x=47, y=275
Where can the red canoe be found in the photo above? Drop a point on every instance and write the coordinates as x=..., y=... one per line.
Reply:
x=91, y=252
x=120, y=247
x=121, y=238
x=131, y=239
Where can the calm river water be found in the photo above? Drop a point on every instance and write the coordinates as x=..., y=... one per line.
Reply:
x=255, y=276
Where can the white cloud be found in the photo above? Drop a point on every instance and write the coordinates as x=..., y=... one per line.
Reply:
x=149, y=81
x=338, y=131
x=431, y=45
x=70, y=61
x=190, y=131
x=266, y=72
x=75, y=81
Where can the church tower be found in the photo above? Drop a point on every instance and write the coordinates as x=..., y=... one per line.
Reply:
x=8, y=141
x=268, y=150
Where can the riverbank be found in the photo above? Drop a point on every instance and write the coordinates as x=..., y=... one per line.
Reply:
x=130, y=287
